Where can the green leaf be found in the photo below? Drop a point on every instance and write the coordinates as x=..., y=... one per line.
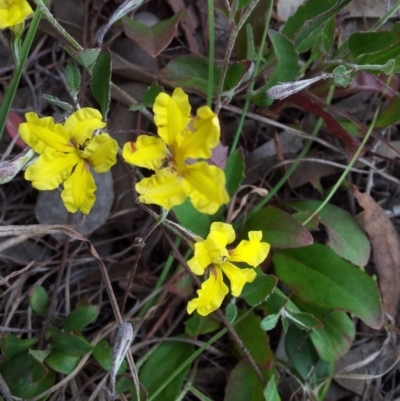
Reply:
x=59, y=103
x=26, y=377
x=319, y=276
x=346, y=237
x=78, y=319
x=287, y=67
x=39, y=300
x=269, y=322
x=190, y=72
x=376, y=49
x=310, y=16
x=86, y=58
x=361, y=43
x=102, y=352
x=12, y=345
x=196, y=325
x=234, y=171
x=391, y=115
x=255, y=340
x=151, y=93
x=279, y=228
x=231, y=312
x=235, y=74
x=168, y=357
x=302, y=320
x=335, y=338
x=192, y=219
x=256, y=292
x=275, y=302
x=70, y=344
x=342, y=79
x=152, y=39
x=244, y=384
x=73, y=76
x=62, y=363
x=124, y=385
x=304, y=358
x=101, y=81
x=304, y=215
x=271, y=391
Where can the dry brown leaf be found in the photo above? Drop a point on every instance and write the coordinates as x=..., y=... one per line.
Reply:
x=386, y=250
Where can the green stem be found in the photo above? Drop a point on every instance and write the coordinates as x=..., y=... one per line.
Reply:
x=211, y=52
x=13, y=86
x=346, y=171
x=250, y=91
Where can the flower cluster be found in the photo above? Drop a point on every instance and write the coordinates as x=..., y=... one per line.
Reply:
x=174, y=156
x=213, y=255
x=66, y=152
x=13, y=12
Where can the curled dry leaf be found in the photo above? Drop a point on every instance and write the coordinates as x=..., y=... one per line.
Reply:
x=386, y=250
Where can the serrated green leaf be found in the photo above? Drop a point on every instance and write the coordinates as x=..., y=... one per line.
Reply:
x=279, y=229
x=319, y=276
x=346, y=237
x=101, y=81
x=78, y=319
x=39, y=300
x=73, y=76
x=62, y=363
x=12, y=345
x=256, y=292
x=234, y=171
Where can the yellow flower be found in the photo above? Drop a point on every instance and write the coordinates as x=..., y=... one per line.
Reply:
x=13, y=12
x=173, y=156
x=211, y=253
x=66, y=152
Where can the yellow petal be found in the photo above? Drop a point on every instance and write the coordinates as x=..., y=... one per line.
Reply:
x=238, y=277
x=13, y=12
x=222, y=233
x=101, y=152
x=203, y=256
x=51, y=169
x=210, y=295
x=81, y=124
x=43, y=133
x=148, y=151
x=252, y=252
x=171, y=114
x=205, y=185
x=79, y=190
x=163, y=188
x=204, y=136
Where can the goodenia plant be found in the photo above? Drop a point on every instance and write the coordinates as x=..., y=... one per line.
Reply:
x=252, y=274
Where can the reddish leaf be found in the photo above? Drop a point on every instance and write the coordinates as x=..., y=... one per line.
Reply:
x=152, y=39
x=309, y=104
x=386, y=250
x=12, y=124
